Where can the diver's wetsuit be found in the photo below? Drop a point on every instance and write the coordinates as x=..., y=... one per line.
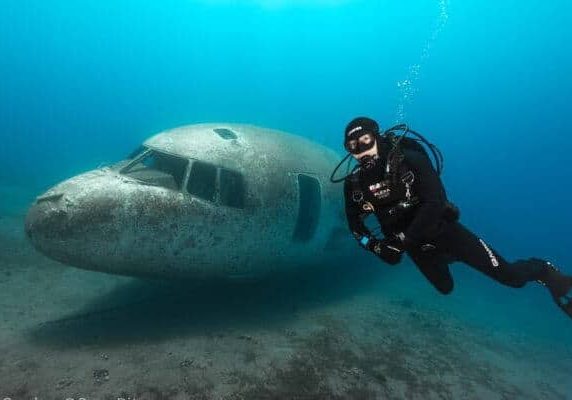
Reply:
x=425, y=217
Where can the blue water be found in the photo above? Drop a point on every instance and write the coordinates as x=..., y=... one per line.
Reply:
x=84, y=82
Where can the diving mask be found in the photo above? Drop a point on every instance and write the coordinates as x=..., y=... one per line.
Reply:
x=359, y=144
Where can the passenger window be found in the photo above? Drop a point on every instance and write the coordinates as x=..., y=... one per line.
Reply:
x=202, y=181
x=231, y=189
x=310, y=202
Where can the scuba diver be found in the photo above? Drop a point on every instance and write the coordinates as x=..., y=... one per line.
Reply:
x=396, y=181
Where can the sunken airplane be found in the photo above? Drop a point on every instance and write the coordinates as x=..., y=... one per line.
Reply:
x=205, y=200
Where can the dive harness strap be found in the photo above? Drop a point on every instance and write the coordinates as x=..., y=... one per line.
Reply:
x=407, y=179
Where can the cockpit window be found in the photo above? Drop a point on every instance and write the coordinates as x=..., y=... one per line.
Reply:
x=136, y=152
x=231, y=188
x=202, y=181
x=159, y=169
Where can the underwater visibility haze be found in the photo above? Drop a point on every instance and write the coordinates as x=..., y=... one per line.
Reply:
x=85, y=83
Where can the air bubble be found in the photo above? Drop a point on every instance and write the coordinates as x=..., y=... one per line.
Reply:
x=407, y=87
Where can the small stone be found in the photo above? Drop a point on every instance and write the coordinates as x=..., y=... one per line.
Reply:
x=186, y=363
x=101, y=375
x=290, y=332
x=64, y=383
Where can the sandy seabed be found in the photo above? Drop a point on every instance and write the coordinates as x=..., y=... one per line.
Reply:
x=334, y=333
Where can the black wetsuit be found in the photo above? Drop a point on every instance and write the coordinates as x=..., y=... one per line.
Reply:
x=412, y=201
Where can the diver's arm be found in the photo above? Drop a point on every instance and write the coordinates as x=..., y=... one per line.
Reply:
x=431, y=193
x=355, y=218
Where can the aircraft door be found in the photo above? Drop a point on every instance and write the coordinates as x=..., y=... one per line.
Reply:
x=309, y=208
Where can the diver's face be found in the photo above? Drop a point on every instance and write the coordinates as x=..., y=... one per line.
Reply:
x=364, y=145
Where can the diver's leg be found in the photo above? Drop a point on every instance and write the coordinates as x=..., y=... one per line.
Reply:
x=436, y=271
x=466, y=247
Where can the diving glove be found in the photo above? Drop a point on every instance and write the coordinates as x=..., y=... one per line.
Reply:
x=389, y=249
x=411, y=245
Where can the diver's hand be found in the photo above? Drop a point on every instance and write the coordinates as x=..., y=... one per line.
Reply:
x=411, y=245
x=388, y=249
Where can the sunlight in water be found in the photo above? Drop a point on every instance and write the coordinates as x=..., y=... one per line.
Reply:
x=407, y=87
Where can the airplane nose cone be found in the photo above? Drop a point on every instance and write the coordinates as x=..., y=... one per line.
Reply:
x=45, y=219
x=67, y=225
